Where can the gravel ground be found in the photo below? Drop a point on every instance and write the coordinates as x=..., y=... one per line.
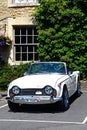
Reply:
x=83, y=88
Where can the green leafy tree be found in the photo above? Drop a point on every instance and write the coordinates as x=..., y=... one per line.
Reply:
x=62, y=29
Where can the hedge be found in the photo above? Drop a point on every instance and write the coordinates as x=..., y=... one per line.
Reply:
x=9, y=73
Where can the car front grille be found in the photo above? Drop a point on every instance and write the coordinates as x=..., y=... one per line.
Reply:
x=31, y=91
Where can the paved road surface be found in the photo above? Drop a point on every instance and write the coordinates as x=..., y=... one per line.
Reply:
x=46, y=117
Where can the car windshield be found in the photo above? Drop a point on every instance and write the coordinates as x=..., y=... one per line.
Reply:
x=47, y=68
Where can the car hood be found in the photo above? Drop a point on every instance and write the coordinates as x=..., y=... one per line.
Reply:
x=37, y=81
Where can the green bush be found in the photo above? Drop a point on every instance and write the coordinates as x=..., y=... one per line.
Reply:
x=9, y=73
x=62, y=32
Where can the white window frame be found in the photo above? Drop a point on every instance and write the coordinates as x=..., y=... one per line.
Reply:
x=19, y=3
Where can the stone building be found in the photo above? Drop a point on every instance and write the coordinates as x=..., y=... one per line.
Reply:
x=17, y=22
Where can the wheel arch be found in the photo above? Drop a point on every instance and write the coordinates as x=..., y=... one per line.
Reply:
x=78, y=76
x=63, y=87
x=77, y=80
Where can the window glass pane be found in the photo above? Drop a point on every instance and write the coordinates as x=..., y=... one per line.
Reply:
x=25, y=1
x=36, y=56
x=30, y=56
x=24, y=57
x=31, y=1
x=23, y=39
x=24, y=49
x=35, y=31
x=30, y=48
x=29, y=39
x=23, y=31
x=29, y=31
x=35, y=39
x=17, y=39
x=35, y=48
x=17, y=31
x=18, y=48
x=20, y=1
x=18, y=57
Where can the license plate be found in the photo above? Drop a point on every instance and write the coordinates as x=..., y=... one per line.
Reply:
x=32, y=100
x=26, y=99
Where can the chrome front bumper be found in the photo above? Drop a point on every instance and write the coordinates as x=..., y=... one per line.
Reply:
x=34, y=99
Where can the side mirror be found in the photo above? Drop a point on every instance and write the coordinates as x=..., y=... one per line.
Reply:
x=25, y=73
x=70, y=71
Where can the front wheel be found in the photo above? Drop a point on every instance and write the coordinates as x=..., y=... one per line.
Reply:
x=13, y=106
x=65, y=100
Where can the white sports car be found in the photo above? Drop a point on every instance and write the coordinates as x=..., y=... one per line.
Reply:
x=44, y=83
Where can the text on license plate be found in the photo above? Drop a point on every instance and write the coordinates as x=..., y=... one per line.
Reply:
x=31, y=100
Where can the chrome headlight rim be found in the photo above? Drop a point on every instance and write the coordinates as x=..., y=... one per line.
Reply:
x=48, y=90
x=15, y=90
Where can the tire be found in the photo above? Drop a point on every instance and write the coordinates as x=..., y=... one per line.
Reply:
x=65, y=100
x=78, y=92
x=13, y=106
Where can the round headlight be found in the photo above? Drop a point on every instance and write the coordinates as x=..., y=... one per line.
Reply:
x=15, y=90
x=48, y=90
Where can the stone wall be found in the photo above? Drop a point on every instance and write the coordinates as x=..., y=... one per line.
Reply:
x=3, y=15
x=13, y=12
x=7, y=11
x=11, y=15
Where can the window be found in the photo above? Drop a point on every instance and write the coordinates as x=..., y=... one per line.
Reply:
x=25, y=1
x=19, y=3
x=25, y=43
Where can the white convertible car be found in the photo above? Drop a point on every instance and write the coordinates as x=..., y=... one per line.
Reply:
x=44, y=83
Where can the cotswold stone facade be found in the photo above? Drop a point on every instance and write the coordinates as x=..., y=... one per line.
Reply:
x=17, y=22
